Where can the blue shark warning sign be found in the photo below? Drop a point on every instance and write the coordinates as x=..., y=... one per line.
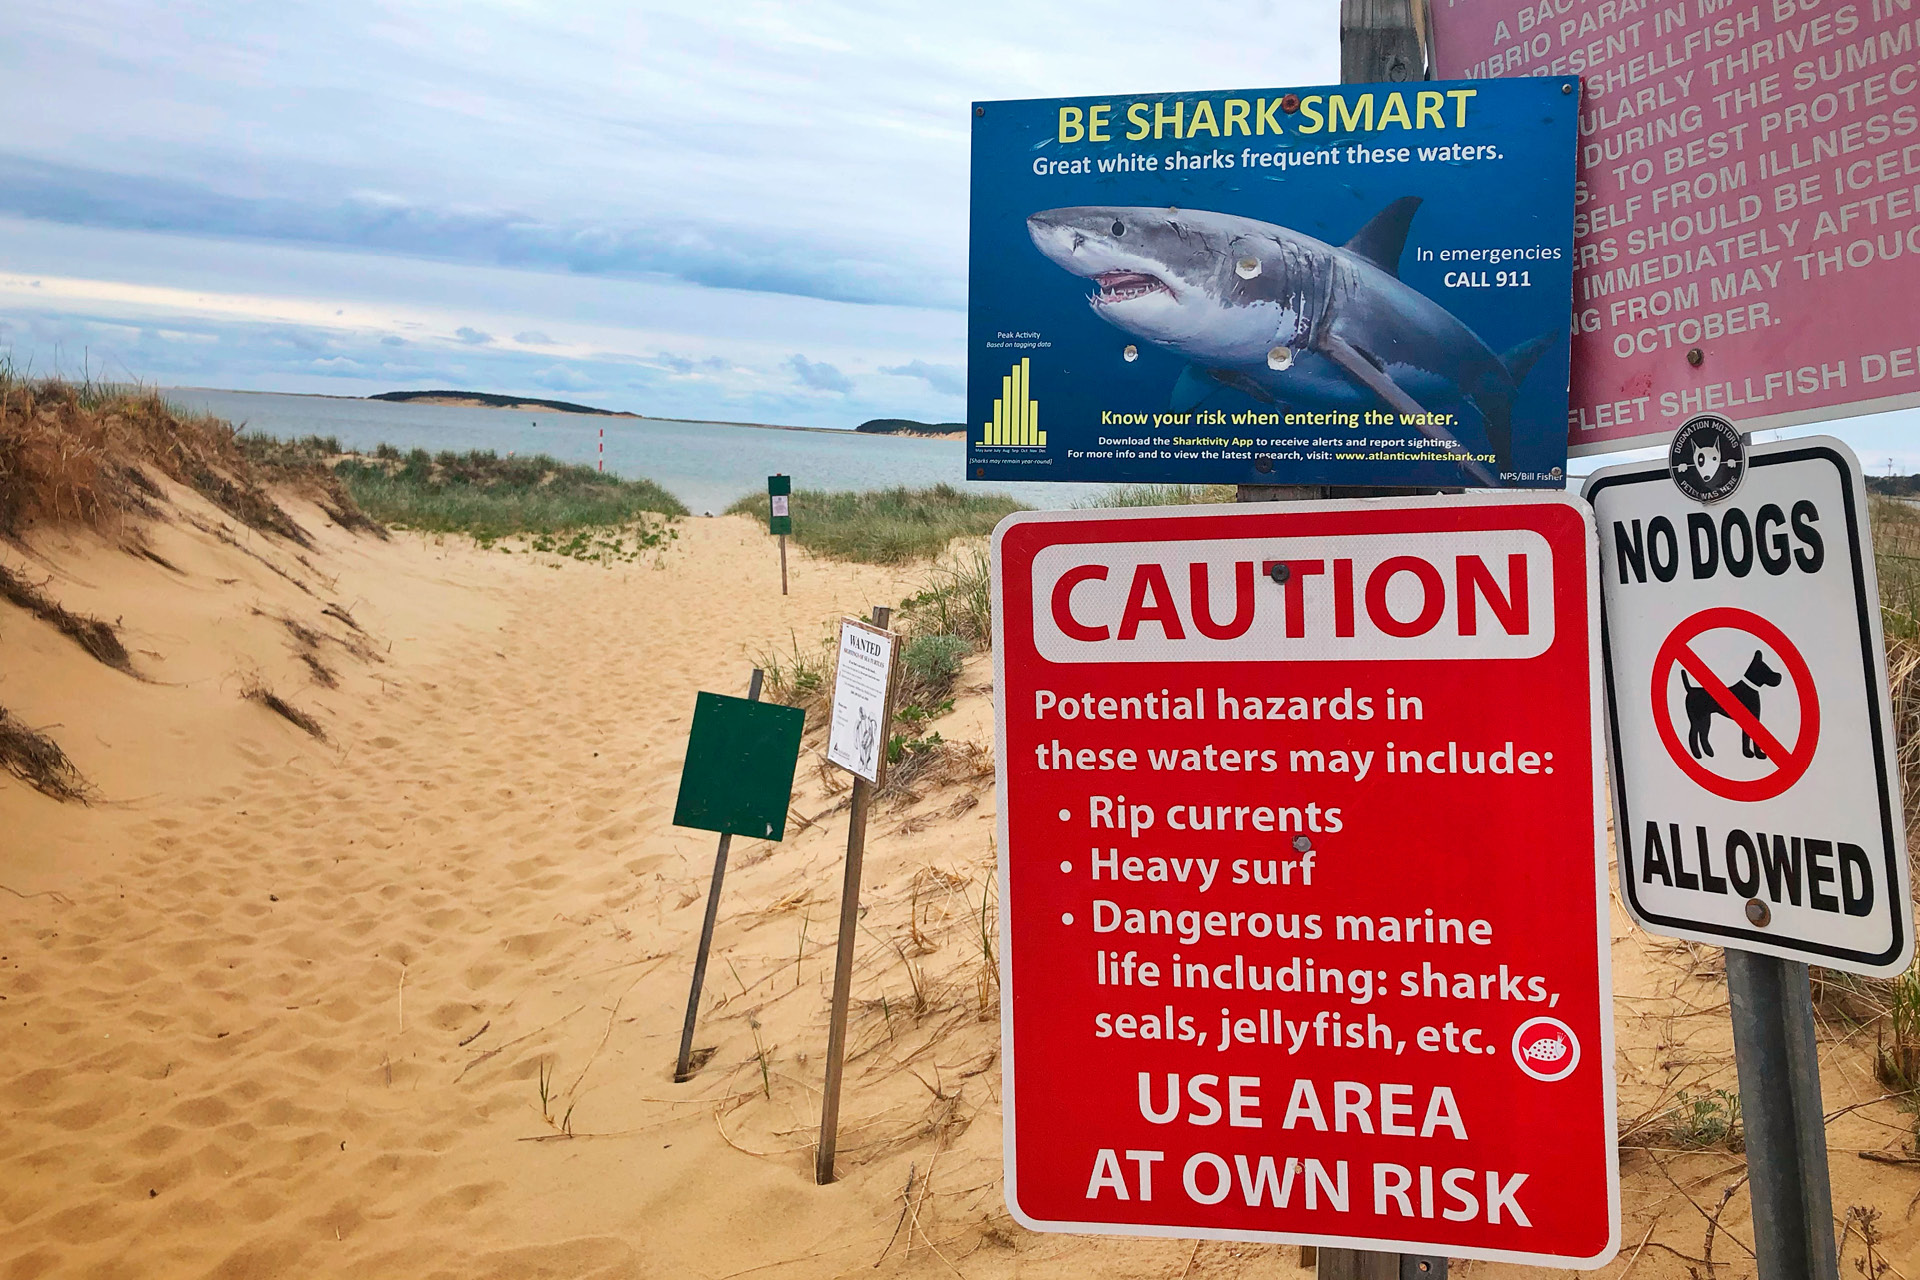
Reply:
x=1358, y=284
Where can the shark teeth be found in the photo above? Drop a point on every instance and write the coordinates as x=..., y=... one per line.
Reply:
x=1124, y=286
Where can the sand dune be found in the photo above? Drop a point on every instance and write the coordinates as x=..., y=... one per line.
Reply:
x=404, y=1002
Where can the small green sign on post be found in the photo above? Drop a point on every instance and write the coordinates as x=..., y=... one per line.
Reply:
x=780, y=518
x=737, y=780
x=738, y=777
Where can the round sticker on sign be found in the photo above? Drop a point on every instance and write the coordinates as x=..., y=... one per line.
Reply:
x=1707, y=458
x=1546, y=1049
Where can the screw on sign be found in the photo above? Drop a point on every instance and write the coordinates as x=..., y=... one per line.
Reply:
x=1739, y=702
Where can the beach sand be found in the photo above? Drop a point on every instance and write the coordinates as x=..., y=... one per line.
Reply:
x=404, y=1002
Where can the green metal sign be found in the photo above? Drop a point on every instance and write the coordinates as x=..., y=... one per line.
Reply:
x=738, y=777
x=778, y=518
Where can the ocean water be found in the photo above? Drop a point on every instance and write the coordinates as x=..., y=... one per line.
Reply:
x=705, y=464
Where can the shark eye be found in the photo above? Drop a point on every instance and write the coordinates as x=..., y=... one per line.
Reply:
x=1119, y=228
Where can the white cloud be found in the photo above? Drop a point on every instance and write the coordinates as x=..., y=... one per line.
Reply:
x=948, y=379
x=562, y=377
x=680, y=190
x=819, y=375
x=817, y=149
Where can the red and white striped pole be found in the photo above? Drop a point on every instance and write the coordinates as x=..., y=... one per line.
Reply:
x=603, y=450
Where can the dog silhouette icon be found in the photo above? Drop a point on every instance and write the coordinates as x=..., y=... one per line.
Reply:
x=1702, y=707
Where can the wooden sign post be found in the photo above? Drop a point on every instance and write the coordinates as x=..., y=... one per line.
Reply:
x=1380, y=40
x=857, y=742
x=780, y=518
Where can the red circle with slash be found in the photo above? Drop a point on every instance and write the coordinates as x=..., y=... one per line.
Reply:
x=1790, y=763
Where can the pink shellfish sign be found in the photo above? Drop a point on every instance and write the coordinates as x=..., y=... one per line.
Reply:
x=1747, y=215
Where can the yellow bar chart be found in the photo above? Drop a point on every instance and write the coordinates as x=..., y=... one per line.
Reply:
x=1016, y=414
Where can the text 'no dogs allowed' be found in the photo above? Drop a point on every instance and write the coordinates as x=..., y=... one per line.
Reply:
x=1756, y=800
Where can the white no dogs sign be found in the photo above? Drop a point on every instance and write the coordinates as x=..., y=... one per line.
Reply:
x=1756, y=798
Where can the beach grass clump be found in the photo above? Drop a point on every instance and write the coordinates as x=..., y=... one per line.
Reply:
x=885, y=526
x=256, y=690
x=1897, y=1055
x=38, y=761
x=622, y=545
x=956, y=600
x=1710, y=1118
x=933, y=662
x=80, y=453
x=491, y=497
x=1896, y=555
x=1903, y=686
x=799, y=676
x=98, y=638
x=1160, y=495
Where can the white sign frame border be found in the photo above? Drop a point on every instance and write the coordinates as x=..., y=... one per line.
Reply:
x=1603, y=882
x=1879, y=705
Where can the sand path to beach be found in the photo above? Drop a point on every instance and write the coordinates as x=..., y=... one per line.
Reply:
x=234, y=1014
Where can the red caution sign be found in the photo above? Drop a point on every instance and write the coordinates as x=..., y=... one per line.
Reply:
x=1739, y=701
x=1303, y=885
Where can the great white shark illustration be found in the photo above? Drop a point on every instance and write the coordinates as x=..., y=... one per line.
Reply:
x=1289, y=319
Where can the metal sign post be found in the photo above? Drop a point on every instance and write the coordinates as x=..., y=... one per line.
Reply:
x=1779, y=1064
x=857, y=742
x=683, y=1065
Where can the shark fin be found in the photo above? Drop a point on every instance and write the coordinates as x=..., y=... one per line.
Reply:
x=1519, y=360
x=1384, y=239
x=1191, y=389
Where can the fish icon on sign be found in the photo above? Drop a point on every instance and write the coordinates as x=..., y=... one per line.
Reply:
x=1546, y=1049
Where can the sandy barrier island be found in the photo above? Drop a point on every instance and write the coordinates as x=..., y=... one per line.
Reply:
x=397, y=994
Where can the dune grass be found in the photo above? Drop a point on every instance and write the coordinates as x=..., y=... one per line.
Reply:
x=95, y=636
x=489, y=497
x=1896, y=556
x=885, y=526
x=85, y=453
x=1161, y=495
x=956, y=600
x=38, y=761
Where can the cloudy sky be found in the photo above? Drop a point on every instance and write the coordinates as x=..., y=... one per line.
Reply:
x=736, y=210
